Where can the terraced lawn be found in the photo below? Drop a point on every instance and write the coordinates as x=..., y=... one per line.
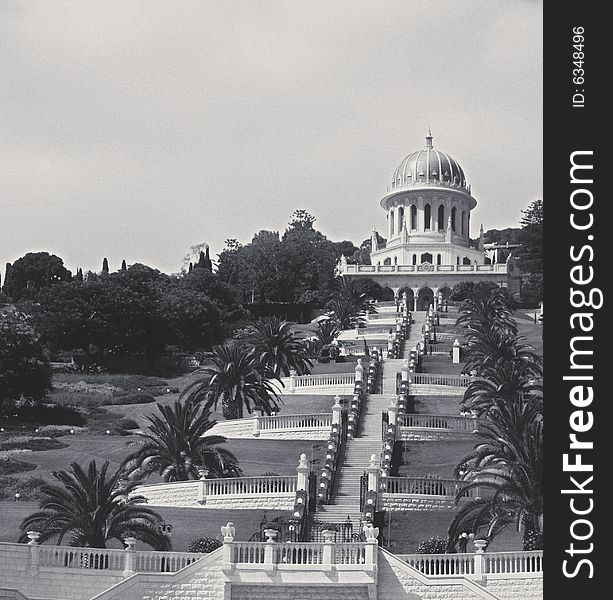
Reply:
x=440, y=458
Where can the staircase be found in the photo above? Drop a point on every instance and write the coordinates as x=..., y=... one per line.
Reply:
x=345, y=500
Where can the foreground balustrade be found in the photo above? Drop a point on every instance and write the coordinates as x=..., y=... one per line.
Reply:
x=478, y=564
x=326, y=555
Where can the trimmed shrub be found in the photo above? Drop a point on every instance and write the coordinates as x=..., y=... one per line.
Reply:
x=28, y=489
x=34, y=444
x=50, y=415
x=10, y=467
x=204, y=545
x=132, y=398
x=127, y=424
x=433, y=545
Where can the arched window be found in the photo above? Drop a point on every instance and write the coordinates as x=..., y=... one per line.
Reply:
x=414, y=259
x=453, y=219
x=427, y=217
x=426, y=258
x=438, y=259
x=392, y=221
x=463, y=222
x=413, y=217
x=395, y=260
x=457, y=260
x=387, y=261
x=441, y=218
x=400, y=219
x=466, y=261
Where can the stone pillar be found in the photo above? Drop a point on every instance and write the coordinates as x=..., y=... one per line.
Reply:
x=373, y=474
x=34, y=536
x=480, y=546
x=228, y=532
x=270, y=534
x=327, y=558
x=359, y=371
x=128, y=567
x=292, y=381
x=202, y=486
x=303, y=474
x=256, y=426
x=392, y=410
x=371, y=533
x=405, y=370
x=336, y=411
x=455, y=352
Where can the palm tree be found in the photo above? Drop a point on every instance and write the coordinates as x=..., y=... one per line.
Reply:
x=233, y=375
x=326, y=332
x=487, y=309
x=91, y=507
x=176, y=445
x=348, y=304
x=511, y=468
x=278, y=348
x=491, y=348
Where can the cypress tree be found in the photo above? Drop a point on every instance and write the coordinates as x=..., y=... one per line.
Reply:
x=105, y=265
x=124, y=267
x=208, y=265
x=191, y=266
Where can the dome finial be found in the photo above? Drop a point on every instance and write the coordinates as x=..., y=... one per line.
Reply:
x=429, y=138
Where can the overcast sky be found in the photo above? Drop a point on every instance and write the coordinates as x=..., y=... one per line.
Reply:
x=135, y=129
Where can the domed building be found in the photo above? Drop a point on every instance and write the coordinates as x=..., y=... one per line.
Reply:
x=428, y=248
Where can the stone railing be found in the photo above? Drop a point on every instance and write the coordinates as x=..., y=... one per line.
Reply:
x=445, y=422
x=262, y=425
x=385, y=269
x=476, y=564
x=301, y=553
x=95, y=560
x=267, y=492
x=437, y=379
x=305, y=383
x=248, y=486
x=426, y=486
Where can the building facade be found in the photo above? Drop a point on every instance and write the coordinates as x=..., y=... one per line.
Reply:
x=428, y=247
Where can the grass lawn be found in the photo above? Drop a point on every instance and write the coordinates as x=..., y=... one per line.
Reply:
x=403, y=532
x=438, y=405
x=340, y=367
x=420, y=458
x=188, y=523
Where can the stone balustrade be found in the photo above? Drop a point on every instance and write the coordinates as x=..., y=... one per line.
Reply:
x=301, y=553
x=266, y=492
x=248, y=486
x=332, y=383
x=426, y=486
x=264, y=425
x=453, y=423
x=472, y=565
x=374, y=269
x=439, y=379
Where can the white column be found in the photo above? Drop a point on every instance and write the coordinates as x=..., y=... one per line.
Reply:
x=303, y=473
x=336, y=411
x=373, y=474
x=128, y=568
x=34, y=536
x=359, y=371
x=456, y=352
